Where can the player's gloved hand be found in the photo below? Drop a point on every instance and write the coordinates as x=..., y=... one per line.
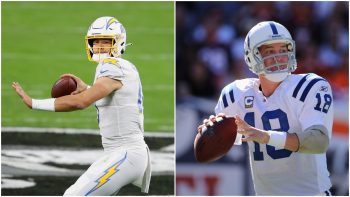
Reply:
x=26, y=99
x=251, y=133
x=209, y=122
x=81, y=85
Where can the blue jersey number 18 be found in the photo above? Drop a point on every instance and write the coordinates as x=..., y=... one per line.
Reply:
x=284, y=127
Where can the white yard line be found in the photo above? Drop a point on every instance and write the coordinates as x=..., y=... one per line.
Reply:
x=74, y=131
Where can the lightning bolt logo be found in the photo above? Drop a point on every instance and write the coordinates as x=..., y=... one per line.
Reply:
x=110, y=22
x=107, y=175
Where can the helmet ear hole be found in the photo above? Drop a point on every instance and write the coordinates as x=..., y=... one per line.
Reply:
x=256, y=51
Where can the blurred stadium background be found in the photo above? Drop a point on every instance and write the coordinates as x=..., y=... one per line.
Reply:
x=43, y=153
x=209, y=55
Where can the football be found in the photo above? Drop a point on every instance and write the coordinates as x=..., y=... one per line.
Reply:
x=216, y=140
x=64, y=86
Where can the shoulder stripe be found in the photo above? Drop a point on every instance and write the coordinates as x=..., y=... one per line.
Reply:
x=224, y=100
x=301, y=82
x=232, y=96
x=308, y=88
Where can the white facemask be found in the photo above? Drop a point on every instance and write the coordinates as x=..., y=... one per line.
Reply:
x=100, y=57
x=277, y=77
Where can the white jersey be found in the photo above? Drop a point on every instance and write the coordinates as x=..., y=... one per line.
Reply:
x=126, y=158
x=299, y=102
x=120, y=114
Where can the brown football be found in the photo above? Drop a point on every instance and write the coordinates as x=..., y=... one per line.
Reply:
x=64, y=86
x=216, y=140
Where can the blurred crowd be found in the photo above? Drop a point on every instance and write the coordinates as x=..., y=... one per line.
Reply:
x=210, y=37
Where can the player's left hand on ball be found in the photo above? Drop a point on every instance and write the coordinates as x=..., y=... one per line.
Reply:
x=251, y=133
x=19, y=90
x=81, y=85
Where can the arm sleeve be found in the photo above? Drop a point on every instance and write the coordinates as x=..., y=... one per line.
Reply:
x=313, y=140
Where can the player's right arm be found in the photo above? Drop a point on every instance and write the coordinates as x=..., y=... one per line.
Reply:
x=106, y=82
x=102, y=87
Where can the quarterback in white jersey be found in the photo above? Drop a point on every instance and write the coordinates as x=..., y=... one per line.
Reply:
x=117, y=96
x=285, y=118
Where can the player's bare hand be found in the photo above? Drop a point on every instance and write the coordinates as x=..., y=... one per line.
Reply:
x=251, y=133
x=21, y=93
x=209, y=122
x=81, y=85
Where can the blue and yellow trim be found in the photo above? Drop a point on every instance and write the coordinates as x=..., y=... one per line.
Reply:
x=110, y=61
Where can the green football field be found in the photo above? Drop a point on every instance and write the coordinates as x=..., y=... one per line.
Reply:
x=42, y=40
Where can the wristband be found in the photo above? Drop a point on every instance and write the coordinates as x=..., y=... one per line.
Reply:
x=44, y=104
x=277, y=139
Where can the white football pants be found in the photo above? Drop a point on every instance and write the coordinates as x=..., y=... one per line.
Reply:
x=111, y=172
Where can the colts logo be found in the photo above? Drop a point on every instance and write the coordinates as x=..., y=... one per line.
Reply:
x=248, y=101
x=107, y=175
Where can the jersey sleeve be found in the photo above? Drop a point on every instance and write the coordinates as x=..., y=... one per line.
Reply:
x=112, y=69
x=318, y=105
x=226, y=104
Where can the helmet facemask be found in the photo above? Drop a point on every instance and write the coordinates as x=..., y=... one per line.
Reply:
x=114, y=48
x=277, y=66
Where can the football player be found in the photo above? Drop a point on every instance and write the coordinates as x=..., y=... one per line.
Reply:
x=117, y=96
x=285, y=118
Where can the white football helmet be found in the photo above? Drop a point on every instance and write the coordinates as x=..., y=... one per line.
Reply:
x=269, y=32
x=106, y=28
